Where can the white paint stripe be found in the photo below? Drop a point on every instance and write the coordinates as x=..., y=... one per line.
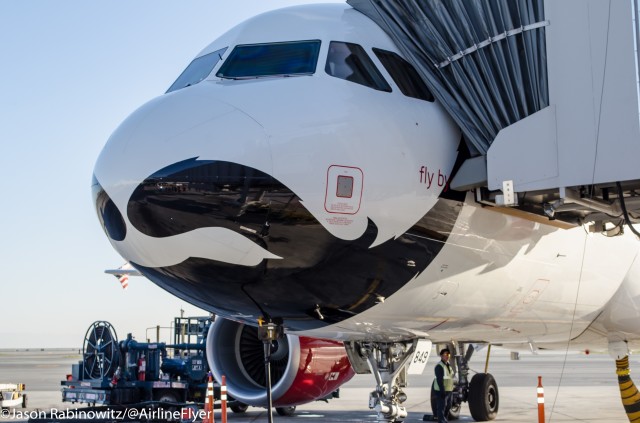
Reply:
x=213, y=243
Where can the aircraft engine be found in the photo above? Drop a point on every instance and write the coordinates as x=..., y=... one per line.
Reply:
x=302, y=369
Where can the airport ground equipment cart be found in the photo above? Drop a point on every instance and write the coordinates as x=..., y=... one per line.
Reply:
x=12, y=395
x=128, y=372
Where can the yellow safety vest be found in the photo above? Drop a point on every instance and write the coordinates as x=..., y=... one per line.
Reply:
x=447, y=378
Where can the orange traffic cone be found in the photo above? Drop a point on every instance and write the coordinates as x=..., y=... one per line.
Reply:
x=223, y=398
x=208, y=403
x=540, y=401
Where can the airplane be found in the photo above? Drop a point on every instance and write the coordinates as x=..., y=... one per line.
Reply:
x=122, y=273
x=299, y=170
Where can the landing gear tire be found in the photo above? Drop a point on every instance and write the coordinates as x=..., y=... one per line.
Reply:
x=24, y=401
x=286, y=411
x=240, y=408
x=453, y=412
x=483, y=397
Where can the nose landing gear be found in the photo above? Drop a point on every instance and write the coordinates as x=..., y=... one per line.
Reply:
x=388, y=363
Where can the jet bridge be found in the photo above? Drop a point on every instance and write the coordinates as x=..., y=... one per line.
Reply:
x=546, y=93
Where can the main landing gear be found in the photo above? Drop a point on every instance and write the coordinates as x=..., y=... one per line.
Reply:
x=388, y=361
x=481, y=392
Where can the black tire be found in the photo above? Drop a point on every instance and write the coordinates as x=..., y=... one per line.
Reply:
x=166, y=396
x=483, y=397
x=286, y=411
x=454, y=411
x=24, y=401
x=239, y=408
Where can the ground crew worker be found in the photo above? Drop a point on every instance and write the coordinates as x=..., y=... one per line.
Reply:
x=443, y=385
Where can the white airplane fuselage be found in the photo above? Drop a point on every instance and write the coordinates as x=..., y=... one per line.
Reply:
x=325, y=201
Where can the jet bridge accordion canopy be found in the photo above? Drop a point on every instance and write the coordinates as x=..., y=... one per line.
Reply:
x=485, y=61
x=546, y=92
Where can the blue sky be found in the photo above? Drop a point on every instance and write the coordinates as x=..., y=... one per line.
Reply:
x=71, y=71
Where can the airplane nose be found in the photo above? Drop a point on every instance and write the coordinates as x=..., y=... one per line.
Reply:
x=185, y=191
x=155, y=170
x=186, y=124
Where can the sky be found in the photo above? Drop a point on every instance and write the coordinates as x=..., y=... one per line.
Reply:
x=72, y=71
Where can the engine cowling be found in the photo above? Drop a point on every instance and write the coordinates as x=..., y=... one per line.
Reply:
x=302, y=369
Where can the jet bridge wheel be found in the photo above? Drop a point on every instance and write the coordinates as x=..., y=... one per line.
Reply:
x=100, y=351
x=483, y=397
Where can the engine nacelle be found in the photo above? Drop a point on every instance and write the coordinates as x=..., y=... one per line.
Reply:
x=302, y=369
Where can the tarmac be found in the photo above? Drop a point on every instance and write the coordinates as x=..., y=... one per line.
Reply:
x=578, y=388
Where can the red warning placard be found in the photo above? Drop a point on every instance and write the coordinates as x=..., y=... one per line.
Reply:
x=344, y=189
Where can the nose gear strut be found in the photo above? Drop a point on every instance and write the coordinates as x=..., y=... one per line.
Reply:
x=388, y=363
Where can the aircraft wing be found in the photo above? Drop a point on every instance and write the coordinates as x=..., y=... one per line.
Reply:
x=125, y=269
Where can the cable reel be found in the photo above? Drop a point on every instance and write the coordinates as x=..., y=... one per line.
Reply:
x=100, y=352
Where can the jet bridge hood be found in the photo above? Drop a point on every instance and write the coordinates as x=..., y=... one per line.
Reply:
x=547, y=95
x=484, y=61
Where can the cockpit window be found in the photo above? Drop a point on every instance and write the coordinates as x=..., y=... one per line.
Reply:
x=404, y=75
x=273, y=59
x=350, y=61
x=197, y=70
